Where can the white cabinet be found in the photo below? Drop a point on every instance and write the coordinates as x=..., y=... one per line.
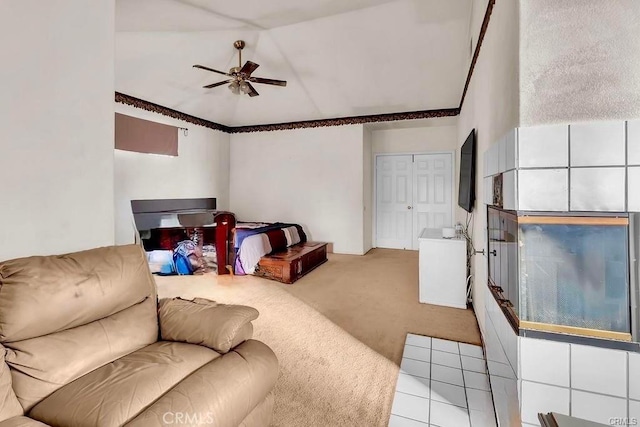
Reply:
x=443, y=268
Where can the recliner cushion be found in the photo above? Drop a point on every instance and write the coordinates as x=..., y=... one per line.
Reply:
x=225, y=390
x=40, y=366
x=117, y=392
x=46, y=294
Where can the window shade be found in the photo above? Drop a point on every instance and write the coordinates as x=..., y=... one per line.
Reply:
x=144, y=136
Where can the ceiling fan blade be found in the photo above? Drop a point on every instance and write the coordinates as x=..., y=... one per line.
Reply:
x=211, y=69
x=268, y=81
x=217, y=84
x=252, y=92
x=249, y=67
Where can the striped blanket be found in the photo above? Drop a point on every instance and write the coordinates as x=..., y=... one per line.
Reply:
x=255, y=240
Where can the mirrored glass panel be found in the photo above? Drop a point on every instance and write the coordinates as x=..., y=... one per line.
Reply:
x=575, y=272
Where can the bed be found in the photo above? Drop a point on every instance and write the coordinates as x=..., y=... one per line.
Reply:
x=253, y=240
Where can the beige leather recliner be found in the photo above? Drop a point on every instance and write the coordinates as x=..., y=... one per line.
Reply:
x=86, y=343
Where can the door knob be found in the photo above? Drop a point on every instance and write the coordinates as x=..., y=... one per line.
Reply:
x=409, y=207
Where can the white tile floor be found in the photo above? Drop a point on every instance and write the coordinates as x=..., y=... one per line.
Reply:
x=442, y=383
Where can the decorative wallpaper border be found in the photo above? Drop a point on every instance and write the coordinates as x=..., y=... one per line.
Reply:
x=476, y=53
x=352, y=120
x=340, y=121
x=123, y=98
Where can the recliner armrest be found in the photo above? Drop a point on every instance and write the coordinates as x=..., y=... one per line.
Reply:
x=204, y=322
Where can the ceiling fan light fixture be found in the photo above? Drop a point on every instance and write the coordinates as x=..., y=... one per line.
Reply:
x=241, y=75
x=234, y=87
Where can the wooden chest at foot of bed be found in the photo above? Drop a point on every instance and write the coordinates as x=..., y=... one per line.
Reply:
x=291, y=264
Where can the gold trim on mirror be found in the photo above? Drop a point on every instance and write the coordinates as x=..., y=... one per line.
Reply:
x=574, y=330
x=573, y=220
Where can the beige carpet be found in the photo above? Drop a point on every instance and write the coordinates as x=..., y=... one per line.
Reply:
x=327, y=377
x=375, y=298
x=338, y=370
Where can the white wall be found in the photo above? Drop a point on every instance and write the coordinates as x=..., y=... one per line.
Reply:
x=478, y=9
x=56, y=126
x=201, y=169
x=367, y=168
x=580, y=60
x=415, y=140
x=313, y=177
x=492, y=108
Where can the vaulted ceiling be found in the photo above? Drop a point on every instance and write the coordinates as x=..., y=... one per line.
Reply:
x=340, y=57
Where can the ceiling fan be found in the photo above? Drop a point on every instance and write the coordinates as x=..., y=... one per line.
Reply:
x=241, y=79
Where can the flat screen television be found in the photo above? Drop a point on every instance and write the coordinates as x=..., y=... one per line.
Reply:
x=467, y=182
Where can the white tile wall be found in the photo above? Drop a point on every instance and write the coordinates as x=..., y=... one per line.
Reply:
x=544, y=361
x=546, y=159
x=543, y=189
x=482, y=418
x=538, y=398
x=596, y=407
x=495, y=353
x=480, y=400
x=534, y=151
x=494, y=334
x=598, y=189
x=634, y=409
x=502, y=376
x=509, y=190
x=493, y=159
x=505, y=397
x=488, y=191
x=485, y=163
x=633, y=142
x=633, y=192
x=597, y=144
x=510, y=344
x=501, y=369
x=511, y=149
x=476, y=380
x=543, y=146
x=634, y=376
x=502, y=155
x=599, y=370
x=507, y=338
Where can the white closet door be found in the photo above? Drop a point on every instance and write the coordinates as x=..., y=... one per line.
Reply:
x=394, y=194
x=432, y=192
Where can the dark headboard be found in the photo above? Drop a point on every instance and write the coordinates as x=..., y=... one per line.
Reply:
x=172, y=205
